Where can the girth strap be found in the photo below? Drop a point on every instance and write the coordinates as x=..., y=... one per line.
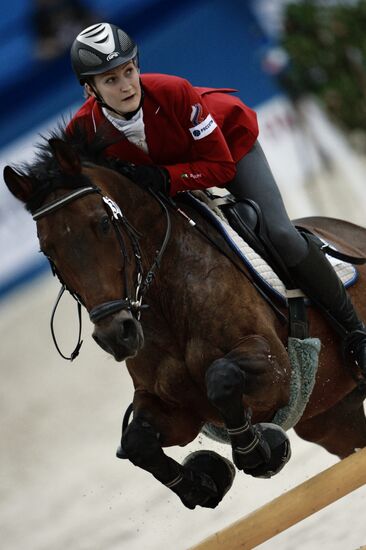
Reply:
x=298, y=319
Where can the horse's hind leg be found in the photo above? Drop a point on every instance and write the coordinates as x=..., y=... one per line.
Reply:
x=340, y=430
x=260, y=449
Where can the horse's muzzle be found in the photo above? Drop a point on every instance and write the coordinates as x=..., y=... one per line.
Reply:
x=120, y=335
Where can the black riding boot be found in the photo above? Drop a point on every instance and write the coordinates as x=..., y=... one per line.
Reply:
x=317, y=278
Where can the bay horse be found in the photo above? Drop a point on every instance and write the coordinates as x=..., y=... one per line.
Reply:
x=200, y=343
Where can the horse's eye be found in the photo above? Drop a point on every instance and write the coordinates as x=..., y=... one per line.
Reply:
x=105, y=224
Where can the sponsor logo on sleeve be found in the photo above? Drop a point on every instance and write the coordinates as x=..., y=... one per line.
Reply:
x=205, y=128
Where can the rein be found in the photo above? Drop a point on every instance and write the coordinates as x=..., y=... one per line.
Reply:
x=121, y=225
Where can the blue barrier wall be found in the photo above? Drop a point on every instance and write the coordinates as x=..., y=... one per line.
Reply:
x=211, y=43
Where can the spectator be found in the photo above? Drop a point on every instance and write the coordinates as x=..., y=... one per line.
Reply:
x=56, y=22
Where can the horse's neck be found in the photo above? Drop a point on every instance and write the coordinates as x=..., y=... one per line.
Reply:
x=189, y=255
x=188, y=258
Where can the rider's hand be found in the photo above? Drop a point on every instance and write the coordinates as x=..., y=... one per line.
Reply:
x=148, y=175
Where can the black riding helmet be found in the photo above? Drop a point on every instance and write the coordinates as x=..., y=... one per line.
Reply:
x=101, y=47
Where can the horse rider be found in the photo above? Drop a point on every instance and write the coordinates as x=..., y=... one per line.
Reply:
x=180, y=137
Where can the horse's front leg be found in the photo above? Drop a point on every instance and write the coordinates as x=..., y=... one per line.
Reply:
x=251, y=374
x=203, y=479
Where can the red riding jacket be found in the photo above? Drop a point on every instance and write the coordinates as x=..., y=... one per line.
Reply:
x=197, y=134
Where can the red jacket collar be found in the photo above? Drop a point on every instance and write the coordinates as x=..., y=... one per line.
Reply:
x=130, y=151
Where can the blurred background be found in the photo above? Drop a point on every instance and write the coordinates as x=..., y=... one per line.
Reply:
x=302, y=66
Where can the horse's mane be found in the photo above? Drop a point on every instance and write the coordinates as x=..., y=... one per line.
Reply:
x=44, y=170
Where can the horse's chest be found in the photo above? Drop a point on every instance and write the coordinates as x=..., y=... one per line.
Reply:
x=173, y=383
x=171, y=386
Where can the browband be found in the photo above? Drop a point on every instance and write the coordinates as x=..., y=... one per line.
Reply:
x=58, y=203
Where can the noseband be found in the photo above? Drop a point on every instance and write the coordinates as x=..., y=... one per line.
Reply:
x=121, y=226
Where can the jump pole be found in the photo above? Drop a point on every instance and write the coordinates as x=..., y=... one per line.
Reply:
x=292, y=507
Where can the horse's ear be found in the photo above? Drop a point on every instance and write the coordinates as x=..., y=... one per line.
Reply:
x=20, y=186
x=66, y=156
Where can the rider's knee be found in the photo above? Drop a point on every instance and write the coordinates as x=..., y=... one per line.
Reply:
x=280, y=235
x=248, y=213
x=287, y=241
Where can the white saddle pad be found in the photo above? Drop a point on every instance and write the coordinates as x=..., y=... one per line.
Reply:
x=345, y=271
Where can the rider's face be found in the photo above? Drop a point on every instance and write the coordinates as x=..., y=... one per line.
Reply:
x=120, y=88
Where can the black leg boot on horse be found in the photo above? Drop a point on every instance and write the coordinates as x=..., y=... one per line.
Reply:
x=262, y=449
x=317, y=278
x=202, y=479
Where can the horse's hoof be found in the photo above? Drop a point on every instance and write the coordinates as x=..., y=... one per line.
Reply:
x=280, y=447
x=218, y=468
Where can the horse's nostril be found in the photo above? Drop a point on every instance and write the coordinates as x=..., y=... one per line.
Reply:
x=128, y=329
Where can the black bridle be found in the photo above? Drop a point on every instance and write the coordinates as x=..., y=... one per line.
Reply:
x=121, y=226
